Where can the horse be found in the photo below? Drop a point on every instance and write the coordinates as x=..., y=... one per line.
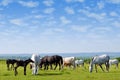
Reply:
x=79, y=62
x=99, y=60
x=69, y=61
x=22, y=63
x=114, y=61
x=49, y=60
x=12, y=62
x=36, y=59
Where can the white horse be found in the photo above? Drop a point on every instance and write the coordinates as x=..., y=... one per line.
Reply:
x=69, y=61
x=79, y=62
x=99, y=60
x=114, y=61
x=35, y=65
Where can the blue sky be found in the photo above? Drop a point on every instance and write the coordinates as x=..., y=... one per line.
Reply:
x=46, y=26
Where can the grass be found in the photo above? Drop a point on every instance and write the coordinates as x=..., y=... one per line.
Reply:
x=79, y=73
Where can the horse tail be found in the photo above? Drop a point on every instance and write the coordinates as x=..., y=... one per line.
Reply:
x=61, y=62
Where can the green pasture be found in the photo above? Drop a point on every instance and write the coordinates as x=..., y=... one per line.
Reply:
x=79, y=73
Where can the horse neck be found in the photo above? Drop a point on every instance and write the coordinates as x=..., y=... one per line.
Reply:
x=27, y=61
x=91, y=63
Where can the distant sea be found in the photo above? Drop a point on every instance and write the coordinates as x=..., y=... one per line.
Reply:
x=79, y=55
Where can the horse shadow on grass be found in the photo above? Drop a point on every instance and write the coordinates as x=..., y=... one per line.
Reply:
x=49, y=74
x=6, y=74
x=53, y=73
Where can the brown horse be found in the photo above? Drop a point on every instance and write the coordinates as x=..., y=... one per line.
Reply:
x=23, y=64
x=49, y=60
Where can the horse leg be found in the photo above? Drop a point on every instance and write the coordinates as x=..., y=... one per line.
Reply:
x=82, y=64
x=107, y=66
x=24, y=70
x=96, y=68
x=8, y=67
x=36, y=69
x=51, y=66
x=12, y=66
x=16, y=70
x=59, y=66
x=117, y=65
x=55, y=66
x=45, y=66
x=101, y=67
x=74, y=65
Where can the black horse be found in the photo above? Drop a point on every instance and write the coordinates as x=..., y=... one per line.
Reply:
x=23, y=64
x=49, y=60
x=12, y=62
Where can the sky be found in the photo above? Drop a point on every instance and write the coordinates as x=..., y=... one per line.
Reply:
x=59, y=26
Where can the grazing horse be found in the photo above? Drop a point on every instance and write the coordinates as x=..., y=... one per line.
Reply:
x=114, y=61
x=99, y=60
x=36, y=59
x=23, y=64
x=12, y=62
x=49, y=60
x=79, y=62
x=69, y=61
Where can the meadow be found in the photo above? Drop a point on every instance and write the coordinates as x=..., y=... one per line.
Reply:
x=80, y=73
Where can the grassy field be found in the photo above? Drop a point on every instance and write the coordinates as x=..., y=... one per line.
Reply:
x=66, y=74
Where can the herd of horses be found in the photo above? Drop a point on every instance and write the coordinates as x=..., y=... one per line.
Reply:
x=37, y=62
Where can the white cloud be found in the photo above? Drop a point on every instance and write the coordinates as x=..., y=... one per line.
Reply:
x=48, y=31
x=48, y=2
x=116, y=23
x=29, y=4
x=39, y=16
x=100, y=5
x=94, y=36
x=58, y=30
x=97, y=16
x=64, y=20
x=114, y=1
x=49, y=10
x=18, y=22
x=79, y=28
x=74, y=1
x=113, y=13
x=52, y=31
x=69, y=10
x=6, y=2
x=101, y=30
x=80, y=0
